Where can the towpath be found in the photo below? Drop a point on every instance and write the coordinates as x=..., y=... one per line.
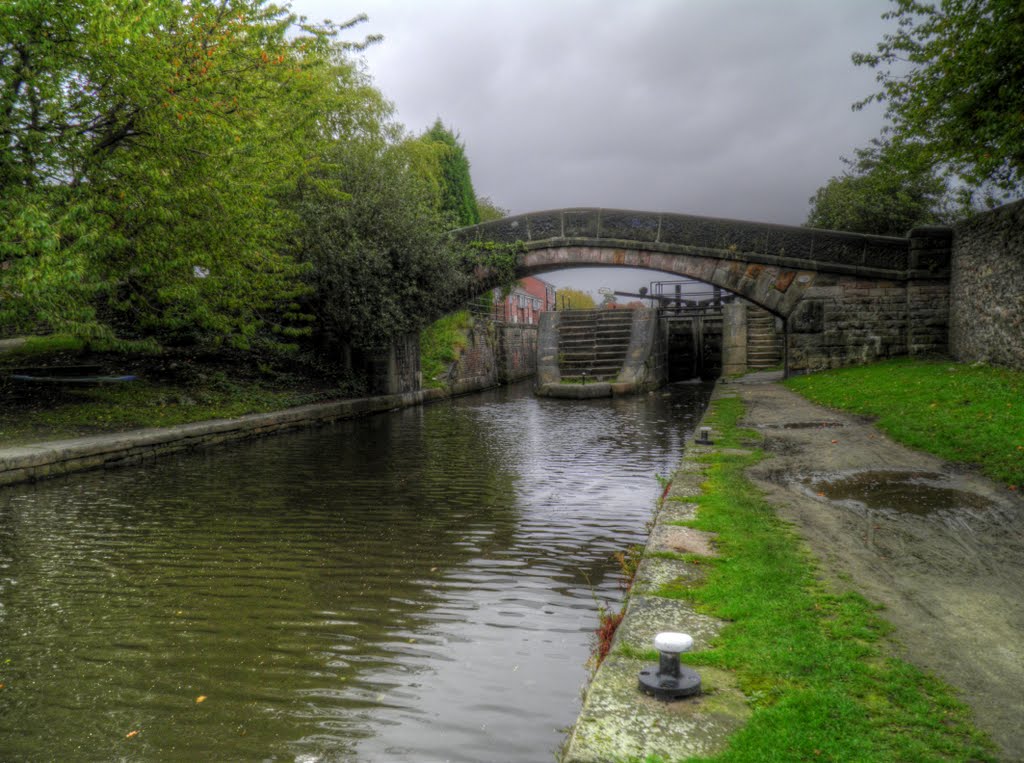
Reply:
x=940, y=546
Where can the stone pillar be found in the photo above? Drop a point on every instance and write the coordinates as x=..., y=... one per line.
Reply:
x=548, y=371
x=734, y=338
x=931, y=249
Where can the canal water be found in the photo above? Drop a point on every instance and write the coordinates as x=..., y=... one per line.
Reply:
x=416, y=586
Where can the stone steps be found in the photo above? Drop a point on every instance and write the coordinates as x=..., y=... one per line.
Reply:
x=594, y=343
x=764, y=345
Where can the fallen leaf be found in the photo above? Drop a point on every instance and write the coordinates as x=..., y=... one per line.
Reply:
x=200, y=698
x=834, y=442
x=130, y=734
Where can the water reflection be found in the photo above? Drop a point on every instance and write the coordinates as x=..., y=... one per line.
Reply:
x=414, y=586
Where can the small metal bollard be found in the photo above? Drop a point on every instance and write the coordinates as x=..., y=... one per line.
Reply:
x=704, y=438
x=670, y=680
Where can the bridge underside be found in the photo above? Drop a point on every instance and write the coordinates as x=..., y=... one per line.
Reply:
x=845, y=298
x=775, y=288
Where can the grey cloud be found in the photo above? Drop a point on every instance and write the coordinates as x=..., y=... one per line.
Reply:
x=724, y=107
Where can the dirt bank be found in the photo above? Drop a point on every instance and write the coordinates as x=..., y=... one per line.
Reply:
x=942, y=548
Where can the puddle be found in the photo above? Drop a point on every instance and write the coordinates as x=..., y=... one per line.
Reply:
x=813, y=425
x=911, y=492
x=805, y=425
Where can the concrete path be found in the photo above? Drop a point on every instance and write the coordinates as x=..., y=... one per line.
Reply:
x=941, y=547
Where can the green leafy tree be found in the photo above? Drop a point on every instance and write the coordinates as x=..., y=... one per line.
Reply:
x=952, y=79
x=489, y=211
x=458, y=200
x=574, y=299
x=883, y=191
x=146, y=149
x=381, y=262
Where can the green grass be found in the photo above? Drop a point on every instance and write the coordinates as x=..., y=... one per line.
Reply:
x=440, y=345
x=814, y=662
x=966, y=413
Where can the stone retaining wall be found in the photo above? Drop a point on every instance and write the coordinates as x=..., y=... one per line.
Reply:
x=987, y=288
x=495, y=353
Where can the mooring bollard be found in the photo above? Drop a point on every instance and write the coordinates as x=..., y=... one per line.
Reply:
x=704, y=438
x=670, y=680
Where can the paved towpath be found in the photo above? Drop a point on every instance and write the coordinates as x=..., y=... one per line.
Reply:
x=941, y=547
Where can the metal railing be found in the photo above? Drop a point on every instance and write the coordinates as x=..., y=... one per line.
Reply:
x=686, y=298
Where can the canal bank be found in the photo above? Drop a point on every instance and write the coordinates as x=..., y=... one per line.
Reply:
x=823, y=677
x=52, y=458
x=57, y=457
x=495, y=354
x=617, y=721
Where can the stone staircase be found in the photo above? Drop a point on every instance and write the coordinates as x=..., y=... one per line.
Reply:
x=593, y=342
x=764, y=345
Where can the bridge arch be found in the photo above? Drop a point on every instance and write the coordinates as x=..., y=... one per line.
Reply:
x=845, y=297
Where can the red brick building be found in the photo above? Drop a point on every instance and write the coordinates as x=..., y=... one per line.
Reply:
x=524, y=304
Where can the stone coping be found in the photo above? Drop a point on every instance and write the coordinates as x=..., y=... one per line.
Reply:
x=56, y=457
x=617, y=721
x=813, y=248
x=576, y=391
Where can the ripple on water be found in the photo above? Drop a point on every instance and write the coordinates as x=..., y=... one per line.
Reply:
x=414, y=586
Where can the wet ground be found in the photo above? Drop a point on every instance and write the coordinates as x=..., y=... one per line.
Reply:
x=941, y=547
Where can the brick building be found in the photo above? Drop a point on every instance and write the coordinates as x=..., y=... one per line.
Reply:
x=524, y=304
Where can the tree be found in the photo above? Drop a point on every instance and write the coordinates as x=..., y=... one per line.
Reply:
x=952, y=77
x=489, y=211
x=883, y=191
x=574, y=299
x=458, y=200
x=377, y=246
x=146, y=148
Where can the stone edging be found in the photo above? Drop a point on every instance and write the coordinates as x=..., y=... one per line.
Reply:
x=617, y=721
x=50, y=459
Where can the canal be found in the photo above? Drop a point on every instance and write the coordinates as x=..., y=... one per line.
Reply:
x=421, y=585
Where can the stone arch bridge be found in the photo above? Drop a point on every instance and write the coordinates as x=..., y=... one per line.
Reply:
x=843, y=297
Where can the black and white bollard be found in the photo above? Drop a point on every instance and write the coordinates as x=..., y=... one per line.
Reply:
x=669, y=680
x=704, y=436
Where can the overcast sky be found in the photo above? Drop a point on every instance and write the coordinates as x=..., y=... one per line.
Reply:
x=727, y=108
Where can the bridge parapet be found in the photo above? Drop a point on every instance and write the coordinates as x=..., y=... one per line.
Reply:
x=765, y=243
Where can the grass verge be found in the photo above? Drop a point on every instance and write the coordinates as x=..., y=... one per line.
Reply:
x=966, y=413
x=815, y=663
x=440, y=345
